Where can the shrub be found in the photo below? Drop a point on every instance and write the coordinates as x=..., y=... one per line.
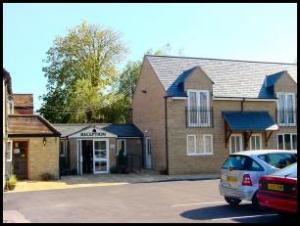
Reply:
x=47, y=176
x=12, y=181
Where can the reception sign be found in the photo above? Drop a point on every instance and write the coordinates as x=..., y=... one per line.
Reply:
x=92, y=132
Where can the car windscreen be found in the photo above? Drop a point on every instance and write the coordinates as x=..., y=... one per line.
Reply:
x=289, y=171
x=241, y=162
x=279, y=160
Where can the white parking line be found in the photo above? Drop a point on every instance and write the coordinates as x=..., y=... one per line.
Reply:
x=241, y=217
x=198, y=204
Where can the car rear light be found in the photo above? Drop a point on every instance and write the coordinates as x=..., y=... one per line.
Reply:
x=247, y=180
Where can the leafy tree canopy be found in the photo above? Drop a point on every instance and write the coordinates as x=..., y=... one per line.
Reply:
x=80, y=66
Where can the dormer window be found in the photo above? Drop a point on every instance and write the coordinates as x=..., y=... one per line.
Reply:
x=286, y=109
x=198, y=109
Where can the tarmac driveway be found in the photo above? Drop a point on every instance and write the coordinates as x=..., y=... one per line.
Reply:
x=177, y=201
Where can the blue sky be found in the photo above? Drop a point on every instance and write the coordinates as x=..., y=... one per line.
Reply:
x=261, y=32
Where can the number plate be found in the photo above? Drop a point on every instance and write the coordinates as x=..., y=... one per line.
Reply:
x=275, y=187
x=231, y=179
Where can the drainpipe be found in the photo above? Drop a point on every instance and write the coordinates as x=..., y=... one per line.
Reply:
x=166, y=134
x=242, y=104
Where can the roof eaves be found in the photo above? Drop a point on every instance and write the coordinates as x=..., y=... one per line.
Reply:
x=48, y=124
x=220, y=59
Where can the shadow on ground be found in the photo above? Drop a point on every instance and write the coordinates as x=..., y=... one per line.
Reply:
x=223, y=211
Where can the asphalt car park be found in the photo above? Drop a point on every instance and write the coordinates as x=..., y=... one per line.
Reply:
x=175, y=201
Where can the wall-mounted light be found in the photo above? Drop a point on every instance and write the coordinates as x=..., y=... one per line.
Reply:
x=44, y=141
x=94, y=130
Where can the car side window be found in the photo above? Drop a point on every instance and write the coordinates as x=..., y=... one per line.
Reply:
x=234, y=161
x=278, y=160
x=252, y=165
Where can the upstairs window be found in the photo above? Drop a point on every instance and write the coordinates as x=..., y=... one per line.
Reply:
x=198, y=108
x=286, y=109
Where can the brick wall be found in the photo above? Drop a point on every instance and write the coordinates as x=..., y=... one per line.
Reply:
x=43, y=159
x=179, y=161
x=149, y=113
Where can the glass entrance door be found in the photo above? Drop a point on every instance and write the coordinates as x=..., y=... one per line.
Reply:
x=100, y=156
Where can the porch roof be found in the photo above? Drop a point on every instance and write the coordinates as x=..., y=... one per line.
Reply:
x=249, y=121
x=121, y=130
x=30, y=125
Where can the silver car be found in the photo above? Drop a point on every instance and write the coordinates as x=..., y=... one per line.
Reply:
x=241, y=171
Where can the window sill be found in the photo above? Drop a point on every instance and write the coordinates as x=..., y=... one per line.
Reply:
x=286, y=124
x=199, y=126
x=200, y=154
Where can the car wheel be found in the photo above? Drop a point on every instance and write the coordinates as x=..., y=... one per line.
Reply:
x=232, y=201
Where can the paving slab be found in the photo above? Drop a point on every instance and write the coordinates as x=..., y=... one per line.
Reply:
x=68, y=182
x=14, y=216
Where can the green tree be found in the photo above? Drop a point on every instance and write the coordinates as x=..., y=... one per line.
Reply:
x=80, y=67
x=126, y=83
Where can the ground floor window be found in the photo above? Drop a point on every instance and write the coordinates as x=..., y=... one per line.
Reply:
x=236, y=144
x=204, y=147
x=287, y=141
x=255, y=142
x=191, y=144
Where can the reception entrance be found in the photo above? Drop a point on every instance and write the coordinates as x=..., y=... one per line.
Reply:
x=101, y=156
x=94, y=155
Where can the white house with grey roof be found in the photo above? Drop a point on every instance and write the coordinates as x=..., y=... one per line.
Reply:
x=93, y=148
x=195, y=111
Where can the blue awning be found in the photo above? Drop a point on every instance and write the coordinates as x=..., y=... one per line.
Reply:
x=250, y=121
x=124, y=130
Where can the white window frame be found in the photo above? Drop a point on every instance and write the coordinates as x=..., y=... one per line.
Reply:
x=204, y=144
x=282, y=134
x=260, y=141
x=241, y=142
x=187, y=145
x=198, y=123
x=285, y=94
x=9, y=151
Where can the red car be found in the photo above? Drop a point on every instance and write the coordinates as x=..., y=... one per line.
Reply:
x=278, y=191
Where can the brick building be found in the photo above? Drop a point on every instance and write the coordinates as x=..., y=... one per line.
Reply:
x=33, y=141
x=195, y=111
x=93, y=148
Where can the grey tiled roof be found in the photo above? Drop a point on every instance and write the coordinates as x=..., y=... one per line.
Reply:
x=232, y=78
x=121, y=130
x=249, y=120
x=70, y=128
